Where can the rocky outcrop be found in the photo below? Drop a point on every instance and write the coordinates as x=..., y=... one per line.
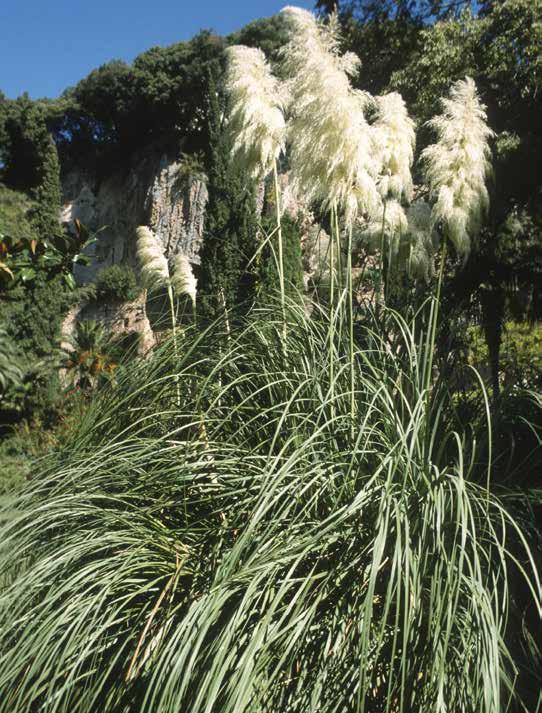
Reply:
x=117, y=318
x=170, y=196
x=165, y=194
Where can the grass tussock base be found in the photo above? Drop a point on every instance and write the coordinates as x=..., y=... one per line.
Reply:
x=253, y=549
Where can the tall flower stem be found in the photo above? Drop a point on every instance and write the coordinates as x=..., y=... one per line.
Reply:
x=332, y=309
x=174, y=331
x=433, y=319
x=280, y=251
x=350, y=308
x=382, y=261
x=338, y=240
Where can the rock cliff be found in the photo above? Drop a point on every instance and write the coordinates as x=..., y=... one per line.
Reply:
x=169, y=196
x=165, y=194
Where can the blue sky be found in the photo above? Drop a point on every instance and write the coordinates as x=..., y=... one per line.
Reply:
x=49, y=45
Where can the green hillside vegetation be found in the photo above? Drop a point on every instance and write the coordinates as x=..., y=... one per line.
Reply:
x=15, y=208
x=311, y=493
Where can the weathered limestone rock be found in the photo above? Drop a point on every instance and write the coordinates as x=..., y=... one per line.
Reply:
x=118, y=318
x=169, y=196
x=159, y=192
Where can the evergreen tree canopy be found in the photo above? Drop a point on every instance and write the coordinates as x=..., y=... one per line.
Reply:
x=229, y=242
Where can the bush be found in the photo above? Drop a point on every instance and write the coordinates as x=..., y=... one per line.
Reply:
x=31, y=317
x=15, y=208
x=117, y=282
x=520, y=364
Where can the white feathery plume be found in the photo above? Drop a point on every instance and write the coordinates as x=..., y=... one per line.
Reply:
x=389, y=225
x=256, y=115
x=457, y=166
x=150, y=257
x=333, y=156
x=182, y=279
x=396, y=139
x=420, y=237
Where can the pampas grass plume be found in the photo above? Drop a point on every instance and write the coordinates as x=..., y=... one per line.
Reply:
x=332, y=150
x=457, y=165
x=256, y=113
x=396, y=138
x=182, y=279
x=151, y=260
x=390, y=225
x=420, y=236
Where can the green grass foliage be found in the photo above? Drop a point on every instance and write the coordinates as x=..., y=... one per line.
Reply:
x=250, y=548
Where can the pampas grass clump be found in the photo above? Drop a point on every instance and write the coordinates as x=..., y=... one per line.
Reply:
x=420, y=236
x=389, y=226
x=457, y=165
x=256, y=119
x=280, y=565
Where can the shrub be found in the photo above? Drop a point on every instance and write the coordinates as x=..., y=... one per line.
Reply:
x=520, y=362
x=32, y=316
x=117, y=282
x=15, y=208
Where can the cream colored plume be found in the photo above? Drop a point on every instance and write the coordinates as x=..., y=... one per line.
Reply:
x=182, y=279
x=332, y=147
x=457, y=166
x=420, y=238
x=256, y=112
x=396, y=139
x=388, y=226
x=151, y=260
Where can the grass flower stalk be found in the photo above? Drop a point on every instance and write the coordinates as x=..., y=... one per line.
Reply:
x=332, y=147
x=153, y=266
x=457, y=166
x=183, y=280
x=257, y=123
x=155, y=275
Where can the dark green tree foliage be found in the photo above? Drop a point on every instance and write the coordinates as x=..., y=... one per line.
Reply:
x=159, y=99
x=47, y=194
x=33, y=315
x=499, y=44
x=31, y=163
x=4, y=104
x=248, y=238
x=418, y=10
x=269, y=34
x=225, y=281
x=386, y=33
x=15, y=209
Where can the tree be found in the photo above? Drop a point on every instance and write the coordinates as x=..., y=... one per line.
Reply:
x=31, y=163
x=500, y=47
x=47, y=193
x=394, y=10
x=120, y=108
x=225, y=281
x=268, y=34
